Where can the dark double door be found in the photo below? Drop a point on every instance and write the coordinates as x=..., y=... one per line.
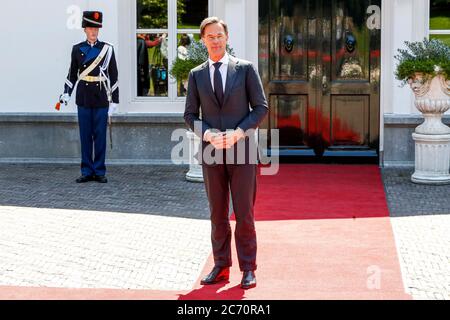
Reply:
x=320, y=65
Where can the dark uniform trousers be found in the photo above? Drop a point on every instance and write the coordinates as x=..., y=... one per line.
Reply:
x=93, y=127
x=220, y=180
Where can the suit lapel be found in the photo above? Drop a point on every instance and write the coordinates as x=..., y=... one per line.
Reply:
x=231, y=77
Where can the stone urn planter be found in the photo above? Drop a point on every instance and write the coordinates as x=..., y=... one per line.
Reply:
x=195, y=173
x=432, y=137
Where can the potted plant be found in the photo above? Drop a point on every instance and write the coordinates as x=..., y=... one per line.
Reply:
x=181, y=66
x=425, y=66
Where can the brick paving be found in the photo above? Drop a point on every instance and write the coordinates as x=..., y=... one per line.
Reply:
x=147, y=228
x=94, y=249
x=409, y=199
x=420, y=217
x=157, y=190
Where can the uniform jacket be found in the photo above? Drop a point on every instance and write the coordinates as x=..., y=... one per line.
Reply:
x=91, y=94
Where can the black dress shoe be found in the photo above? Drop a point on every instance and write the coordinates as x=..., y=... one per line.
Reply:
x=217, y=274
x=248, y=280
x=84, y=179
x=101, y=179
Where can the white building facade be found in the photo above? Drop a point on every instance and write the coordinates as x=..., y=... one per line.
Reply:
x=36, y=42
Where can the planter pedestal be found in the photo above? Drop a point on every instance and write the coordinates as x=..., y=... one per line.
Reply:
x=432, y=159
x=195, y=173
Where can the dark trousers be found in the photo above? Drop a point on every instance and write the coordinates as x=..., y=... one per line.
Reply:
x=93, y=125
x=240, y=179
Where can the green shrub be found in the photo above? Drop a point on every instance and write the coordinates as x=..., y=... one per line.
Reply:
x=429, y=57
x=197, y=54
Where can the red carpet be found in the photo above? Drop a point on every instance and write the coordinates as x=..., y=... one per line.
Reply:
x=317, y=259
x=313, y=255
x=321, y=192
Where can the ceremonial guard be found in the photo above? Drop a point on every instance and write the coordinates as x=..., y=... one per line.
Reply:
x=93, y=71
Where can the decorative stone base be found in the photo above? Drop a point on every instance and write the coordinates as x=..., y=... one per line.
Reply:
x=195, y=173
x=432, y=159
x=194, y=176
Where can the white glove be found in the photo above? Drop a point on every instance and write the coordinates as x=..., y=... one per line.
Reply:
x=113, y=109
x=64, y=98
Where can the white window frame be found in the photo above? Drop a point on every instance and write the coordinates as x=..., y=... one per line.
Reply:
x=172, y=31
x=437, y=32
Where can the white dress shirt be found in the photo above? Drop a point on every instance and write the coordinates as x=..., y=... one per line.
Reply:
x=223, y=69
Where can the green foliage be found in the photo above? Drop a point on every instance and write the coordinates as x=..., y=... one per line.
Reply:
x=181, y=68
x=445, y=38
x=439, y=14
x=153, y=13
x=197, y=54
x=428, y=57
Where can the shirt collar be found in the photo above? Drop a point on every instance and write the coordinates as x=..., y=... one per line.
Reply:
x=225, y=60
x=92, y=45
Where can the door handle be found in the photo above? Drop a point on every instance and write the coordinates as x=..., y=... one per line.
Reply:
x=288, y=43
x=324, y=85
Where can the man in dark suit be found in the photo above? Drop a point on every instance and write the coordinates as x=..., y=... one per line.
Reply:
x=224, y=88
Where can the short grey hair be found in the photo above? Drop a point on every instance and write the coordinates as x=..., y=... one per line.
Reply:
x=211, y=20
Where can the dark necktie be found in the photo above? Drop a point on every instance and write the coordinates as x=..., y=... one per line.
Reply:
x=218, y=86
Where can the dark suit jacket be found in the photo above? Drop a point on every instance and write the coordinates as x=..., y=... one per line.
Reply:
x=244, y=105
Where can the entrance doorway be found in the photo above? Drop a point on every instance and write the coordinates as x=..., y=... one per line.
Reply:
x=319, y=61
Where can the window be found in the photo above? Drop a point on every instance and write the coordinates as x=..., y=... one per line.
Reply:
x=158, y=22
x=440, y=20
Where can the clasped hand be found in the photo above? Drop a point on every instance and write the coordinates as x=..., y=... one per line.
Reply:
x=225, y=140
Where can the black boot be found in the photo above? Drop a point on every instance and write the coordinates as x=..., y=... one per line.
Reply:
x=83, y=179
x=101, y=179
